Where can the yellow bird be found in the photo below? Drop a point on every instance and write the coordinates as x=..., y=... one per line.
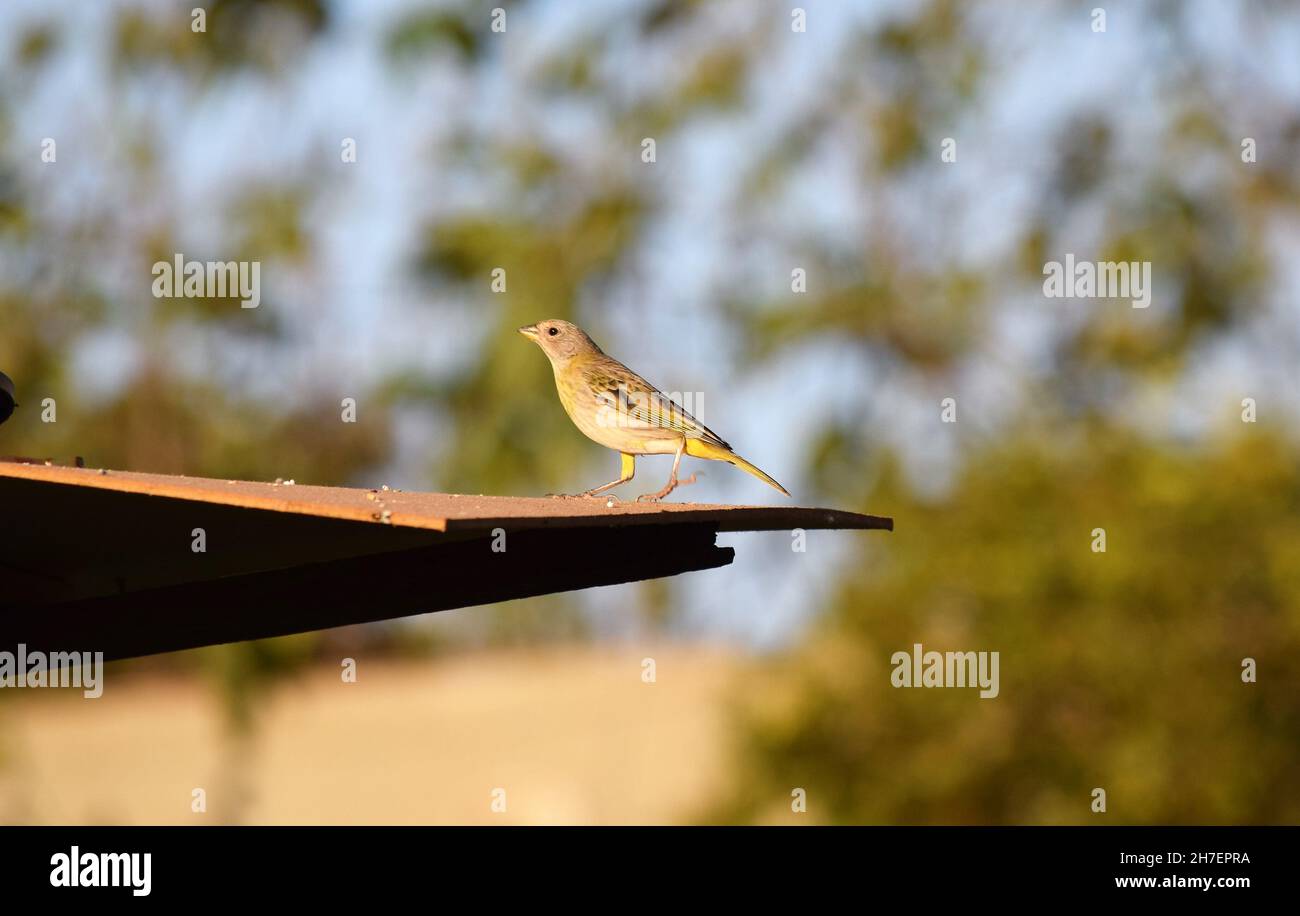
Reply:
x=619, y=409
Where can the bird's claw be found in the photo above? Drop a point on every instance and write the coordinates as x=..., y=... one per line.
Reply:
x=672, y=485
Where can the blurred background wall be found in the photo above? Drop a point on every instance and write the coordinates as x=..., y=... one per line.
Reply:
x=776, y=150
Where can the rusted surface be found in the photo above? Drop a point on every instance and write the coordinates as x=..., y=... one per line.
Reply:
x=105, y=561
x=444, y=511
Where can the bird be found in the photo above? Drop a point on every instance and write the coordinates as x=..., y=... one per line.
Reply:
x=618, y=409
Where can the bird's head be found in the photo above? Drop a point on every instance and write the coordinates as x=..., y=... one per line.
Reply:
x=560, y=340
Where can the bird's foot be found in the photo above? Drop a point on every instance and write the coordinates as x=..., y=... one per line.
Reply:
x=672, y=485
x=655, y=497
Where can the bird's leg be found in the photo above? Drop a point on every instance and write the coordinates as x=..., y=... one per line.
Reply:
x=628, y=470
x=673, y=482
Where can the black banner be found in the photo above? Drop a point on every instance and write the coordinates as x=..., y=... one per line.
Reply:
x=332, y=863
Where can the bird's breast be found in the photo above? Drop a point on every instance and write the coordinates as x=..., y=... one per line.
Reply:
x=601, y=421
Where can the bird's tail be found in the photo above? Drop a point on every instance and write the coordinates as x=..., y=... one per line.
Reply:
x=698, y=448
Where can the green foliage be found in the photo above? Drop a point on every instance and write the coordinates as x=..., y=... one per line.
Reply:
x=261, y=34
x=420, y=33
x=1120, y=670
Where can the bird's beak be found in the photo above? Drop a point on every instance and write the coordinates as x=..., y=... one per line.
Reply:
x=529, y=330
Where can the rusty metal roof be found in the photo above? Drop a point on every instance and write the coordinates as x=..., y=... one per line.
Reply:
x=442, y=511
x=103, y=560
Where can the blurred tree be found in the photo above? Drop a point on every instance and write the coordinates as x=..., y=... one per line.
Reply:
x=55, y=300
x=1119, y=669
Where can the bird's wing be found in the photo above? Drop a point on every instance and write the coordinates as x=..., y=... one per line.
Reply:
x=641, y=405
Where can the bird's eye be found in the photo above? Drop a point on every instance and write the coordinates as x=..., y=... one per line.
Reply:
x=553, y=331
